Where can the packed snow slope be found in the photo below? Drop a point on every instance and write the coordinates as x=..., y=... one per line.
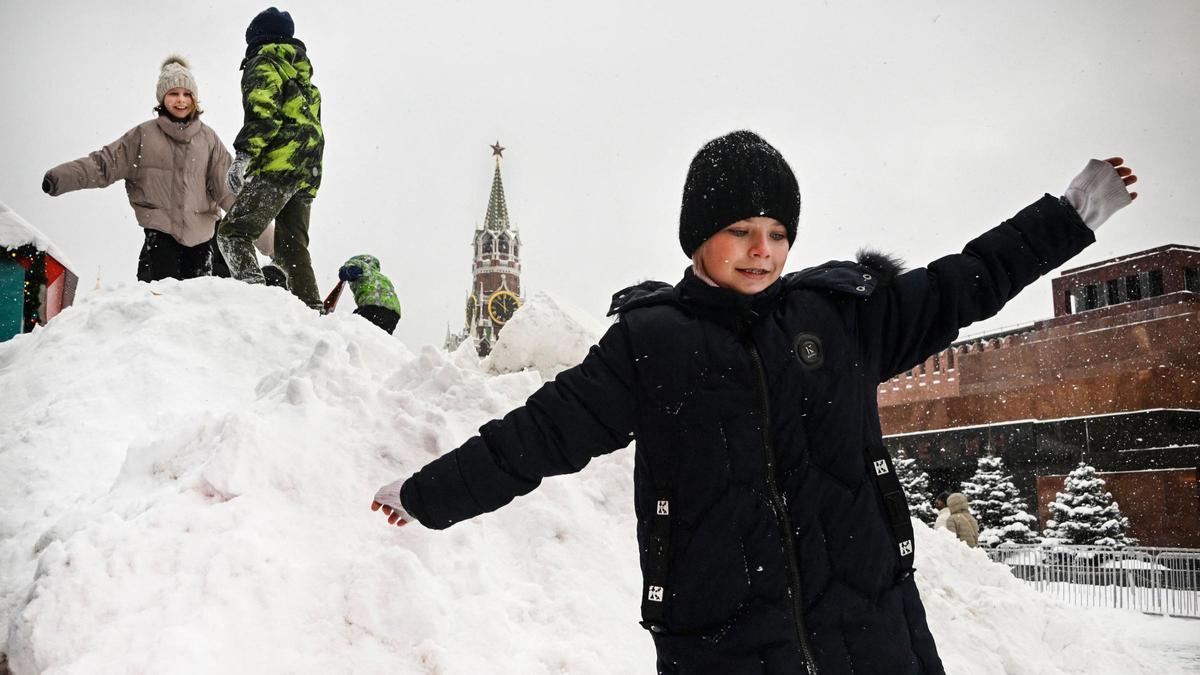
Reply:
x=186, y=470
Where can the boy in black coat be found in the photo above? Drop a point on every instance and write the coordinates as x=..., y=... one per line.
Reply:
x=773, y=535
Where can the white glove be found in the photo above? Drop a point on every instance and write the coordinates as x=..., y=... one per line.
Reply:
x=388, y=497
x=236, y=177
x=1097, y=193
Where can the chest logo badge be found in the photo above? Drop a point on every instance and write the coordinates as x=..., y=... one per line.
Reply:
x=808, y=350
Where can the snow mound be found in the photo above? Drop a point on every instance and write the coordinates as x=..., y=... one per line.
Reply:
x=546, y=335
x=987, y=622
x=188, y=486
x=185, y=475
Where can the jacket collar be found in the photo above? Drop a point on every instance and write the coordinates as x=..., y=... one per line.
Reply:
x=722, y=303
x=693, y=294
x=697, y=297
x=180, y=132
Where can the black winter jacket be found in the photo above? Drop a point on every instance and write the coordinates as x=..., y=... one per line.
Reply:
x=767, y=544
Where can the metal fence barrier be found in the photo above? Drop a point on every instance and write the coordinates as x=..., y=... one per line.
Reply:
x=1152, y=580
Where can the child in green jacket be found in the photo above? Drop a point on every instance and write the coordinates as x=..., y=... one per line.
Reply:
x=277, y=168
x=373, y=292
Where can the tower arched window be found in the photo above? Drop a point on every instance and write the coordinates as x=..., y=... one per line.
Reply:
x=486, y=249
x=502, y=244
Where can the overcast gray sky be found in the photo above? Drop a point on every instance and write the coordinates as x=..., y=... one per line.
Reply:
x=912, y=126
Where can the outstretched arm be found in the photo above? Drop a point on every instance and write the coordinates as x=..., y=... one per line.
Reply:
x=587, y=411
x=99, y=169
x=921, y=311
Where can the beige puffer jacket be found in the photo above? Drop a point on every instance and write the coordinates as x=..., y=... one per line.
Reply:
x=961, y=522
x=174, y=174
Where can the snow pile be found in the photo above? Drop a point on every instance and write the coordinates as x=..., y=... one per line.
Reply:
x=185, y=478
x=546, y=335
x=986, y=622
x=188, y=489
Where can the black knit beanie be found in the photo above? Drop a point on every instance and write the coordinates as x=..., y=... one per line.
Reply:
x=270, y=23
x=732, y=178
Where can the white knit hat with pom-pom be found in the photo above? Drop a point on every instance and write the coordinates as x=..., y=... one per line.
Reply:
x=175, y=73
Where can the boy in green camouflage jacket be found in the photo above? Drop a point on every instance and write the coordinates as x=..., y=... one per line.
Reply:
x=373, y=292
x=277, y=168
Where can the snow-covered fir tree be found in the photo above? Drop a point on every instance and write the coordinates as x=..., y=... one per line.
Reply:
x=916, y=488
x=1086, y=512
x=998, y=506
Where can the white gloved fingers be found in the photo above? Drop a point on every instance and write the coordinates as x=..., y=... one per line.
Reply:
x=389, y=495
x=1097, y=193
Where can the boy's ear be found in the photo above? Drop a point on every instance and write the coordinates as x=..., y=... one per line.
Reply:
x=887, y=266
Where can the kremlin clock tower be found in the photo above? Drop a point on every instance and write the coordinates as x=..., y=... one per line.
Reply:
x=495, y=292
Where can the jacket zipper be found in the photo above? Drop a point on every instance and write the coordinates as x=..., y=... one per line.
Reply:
x=781, y=510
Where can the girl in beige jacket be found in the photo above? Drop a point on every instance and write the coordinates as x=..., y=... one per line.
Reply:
x=174, y=170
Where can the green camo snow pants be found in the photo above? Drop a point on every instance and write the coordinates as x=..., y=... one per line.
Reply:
x=259, y=201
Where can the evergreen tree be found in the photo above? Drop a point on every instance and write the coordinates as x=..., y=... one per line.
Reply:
x=998, y=506
x=1086, y=513
x=916, y=488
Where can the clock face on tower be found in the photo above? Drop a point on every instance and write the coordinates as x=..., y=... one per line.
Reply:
x=502, y=305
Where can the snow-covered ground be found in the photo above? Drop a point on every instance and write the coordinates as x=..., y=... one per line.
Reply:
x=185, y=478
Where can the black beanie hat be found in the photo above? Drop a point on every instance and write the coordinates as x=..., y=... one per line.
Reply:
x=270, y=23
x=732, y=178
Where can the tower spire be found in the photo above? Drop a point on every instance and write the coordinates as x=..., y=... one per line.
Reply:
x=497, y=209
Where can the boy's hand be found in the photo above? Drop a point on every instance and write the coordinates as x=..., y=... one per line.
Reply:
x=388, y=498
x=236, y=177
x=349, y=273
x=1100, y=190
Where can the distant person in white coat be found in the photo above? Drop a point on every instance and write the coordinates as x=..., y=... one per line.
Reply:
x=939, y=503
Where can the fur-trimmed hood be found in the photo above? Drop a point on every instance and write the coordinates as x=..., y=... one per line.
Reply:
x=885, y=264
